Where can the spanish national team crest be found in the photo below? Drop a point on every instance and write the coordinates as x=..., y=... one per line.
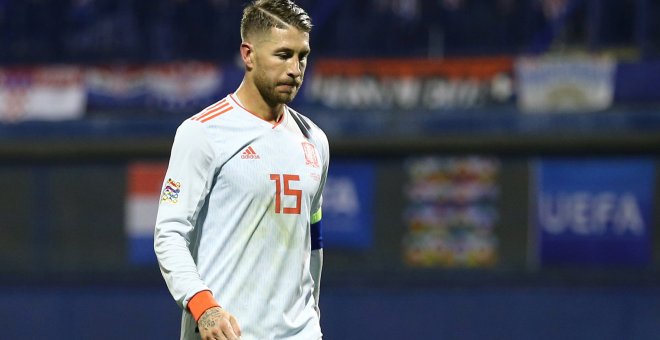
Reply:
x=310, y=154
x=171, y=191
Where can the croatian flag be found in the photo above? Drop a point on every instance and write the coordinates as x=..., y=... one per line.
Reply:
x=144, y=181
x=47, y=93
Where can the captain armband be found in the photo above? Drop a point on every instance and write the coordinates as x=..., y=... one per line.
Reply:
x=316, y=231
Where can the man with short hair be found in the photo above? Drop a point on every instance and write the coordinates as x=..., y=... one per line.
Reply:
x=238, y=236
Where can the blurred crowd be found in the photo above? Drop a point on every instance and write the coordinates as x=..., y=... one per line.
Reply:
x=44, y=31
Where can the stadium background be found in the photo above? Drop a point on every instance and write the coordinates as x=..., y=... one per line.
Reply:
x=494, y=171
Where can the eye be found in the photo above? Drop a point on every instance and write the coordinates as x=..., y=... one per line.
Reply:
x=283, y=55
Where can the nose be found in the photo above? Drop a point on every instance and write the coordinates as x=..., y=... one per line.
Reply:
x=294, y=68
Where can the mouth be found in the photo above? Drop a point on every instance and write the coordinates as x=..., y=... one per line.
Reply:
x=289, y=82
x=288, y=86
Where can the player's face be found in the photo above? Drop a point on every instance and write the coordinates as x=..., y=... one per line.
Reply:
x=280, y=62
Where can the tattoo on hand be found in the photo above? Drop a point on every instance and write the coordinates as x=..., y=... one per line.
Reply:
x=208, y=319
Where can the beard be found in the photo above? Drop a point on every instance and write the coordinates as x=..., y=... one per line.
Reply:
x=270, y=93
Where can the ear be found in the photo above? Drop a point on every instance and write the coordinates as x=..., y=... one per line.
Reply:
x=247, y=54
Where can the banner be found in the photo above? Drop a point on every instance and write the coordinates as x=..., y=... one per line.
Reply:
x=565, y=84
x=410, y=83
x=182, y=87
x=594, y=211
x=116, y=87
x=451, y=212
x=186, y=87
x=144, y=182
x=41, y=93
x=348, y=205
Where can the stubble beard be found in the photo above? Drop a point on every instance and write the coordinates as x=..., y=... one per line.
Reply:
x=269, y=93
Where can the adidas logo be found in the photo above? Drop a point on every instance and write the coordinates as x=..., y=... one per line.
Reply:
x=249, y=153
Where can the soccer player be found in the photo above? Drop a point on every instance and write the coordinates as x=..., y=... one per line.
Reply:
x=238, y=229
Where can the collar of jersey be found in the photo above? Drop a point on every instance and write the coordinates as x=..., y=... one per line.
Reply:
x=283, y=118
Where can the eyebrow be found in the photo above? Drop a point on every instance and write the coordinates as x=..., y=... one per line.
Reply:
x=288, y=49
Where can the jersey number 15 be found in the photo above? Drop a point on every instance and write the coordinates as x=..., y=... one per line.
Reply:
x=286, y=179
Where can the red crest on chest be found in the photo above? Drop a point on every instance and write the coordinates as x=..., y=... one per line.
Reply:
x=310, y=154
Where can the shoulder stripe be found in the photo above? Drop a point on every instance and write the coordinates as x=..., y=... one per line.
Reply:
x=211, y=109
x=219, y=103
x=207, y=118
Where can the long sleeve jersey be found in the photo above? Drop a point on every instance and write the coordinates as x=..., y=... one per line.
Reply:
x=234, y=218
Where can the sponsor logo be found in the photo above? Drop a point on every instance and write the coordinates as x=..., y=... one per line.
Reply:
x=249, y=153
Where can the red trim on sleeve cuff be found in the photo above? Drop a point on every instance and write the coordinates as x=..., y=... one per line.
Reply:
x=200, y=302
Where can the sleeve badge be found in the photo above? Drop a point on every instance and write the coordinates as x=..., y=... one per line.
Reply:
x=171, y=191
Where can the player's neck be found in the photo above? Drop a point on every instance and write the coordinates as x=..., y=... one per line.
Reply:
x=252, y=101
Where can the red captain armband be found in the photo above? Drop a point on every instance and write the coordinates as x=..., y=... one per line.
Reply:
x=200, y=302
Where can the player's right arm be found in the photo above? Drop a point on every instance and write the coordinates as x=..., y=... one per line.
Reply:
x=187, y=183
x=184, y=190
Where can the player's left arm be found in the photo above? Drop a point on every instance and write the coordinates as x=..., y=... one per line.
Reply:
x=316, y=232
x=316, y=261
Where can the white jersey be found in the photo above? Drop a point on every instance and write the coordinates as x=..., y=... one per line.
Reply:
x=234, y=218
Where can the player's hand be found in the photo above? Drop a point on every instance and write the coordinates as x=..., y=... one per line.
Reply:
x=217, y=323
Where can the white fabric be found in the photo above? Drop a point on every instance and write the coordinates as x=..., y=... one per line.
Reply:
x=224, y=233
